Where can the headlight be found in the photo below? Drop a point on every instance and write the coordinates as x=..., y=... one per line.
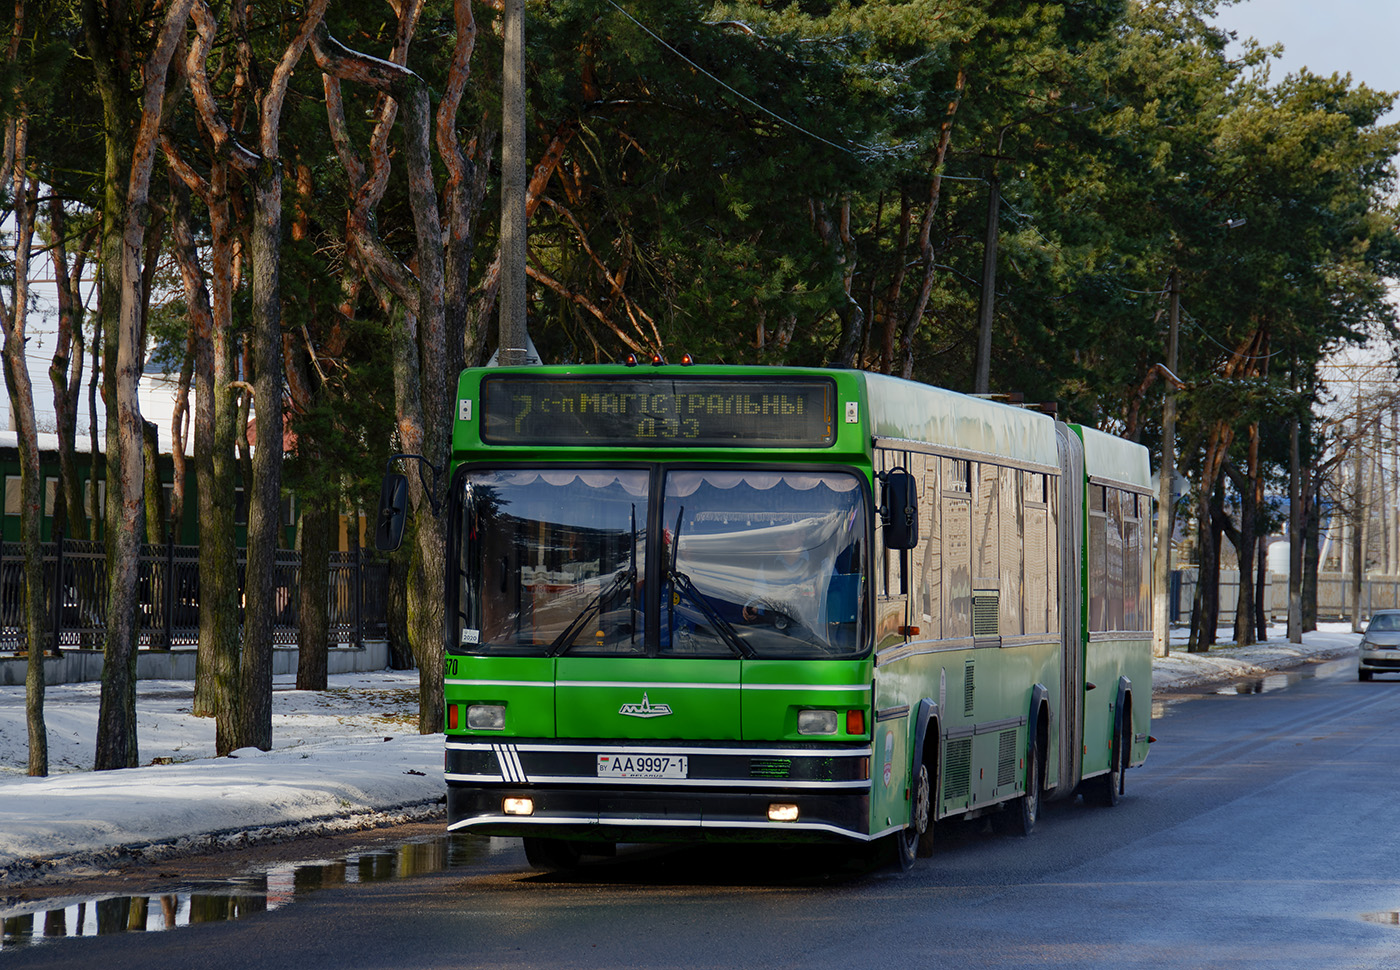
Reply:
x=816, y=722
x=486, y=717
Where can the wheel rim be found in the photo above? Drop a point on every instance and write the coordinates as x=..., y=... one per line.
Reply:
x=918, y=823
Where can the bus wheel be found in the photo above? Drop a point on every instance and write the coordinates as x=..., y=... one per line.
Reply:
x=1019, y=816
x=1107, y=789
x=910, y=842
x=551, y=854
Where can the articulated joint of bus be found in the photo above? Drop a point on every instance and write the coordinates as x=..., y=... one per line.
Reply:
x=659, y=792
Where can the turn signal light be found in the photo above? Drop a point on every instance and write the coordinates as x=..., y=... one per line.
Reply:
x=855, y=722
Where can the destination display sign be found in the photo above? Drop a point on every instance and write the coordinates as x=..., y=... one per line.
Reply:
x=746, y=413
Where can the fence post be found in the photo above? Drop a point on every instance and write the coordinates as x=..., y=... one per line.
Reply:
x=57, y=618
x=357, y=590
x=169, y=597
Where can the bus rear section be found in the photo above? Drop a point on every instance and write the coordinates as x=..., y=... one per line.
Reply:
x=656, y=652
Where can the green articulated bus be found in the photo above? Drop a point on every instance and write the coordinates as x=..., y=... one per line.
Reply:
x=691, y=603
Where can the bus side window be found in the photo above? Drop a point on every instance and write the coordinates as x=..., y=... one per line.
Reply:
x=926, y=568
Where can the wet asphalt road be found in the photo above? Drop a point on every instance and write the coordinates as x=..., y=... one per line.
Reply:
x=1262, y=833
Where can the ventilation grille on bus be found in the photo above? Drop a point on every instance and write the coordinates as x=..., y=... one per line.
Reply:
x=957, y=778
x=1006, y=758
x=986, y=613
x=969, y=689
x=770, y=767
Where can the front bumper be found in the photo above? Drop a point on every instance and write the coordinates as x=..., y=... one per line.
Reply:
x=1379, y=661
x=725, y=796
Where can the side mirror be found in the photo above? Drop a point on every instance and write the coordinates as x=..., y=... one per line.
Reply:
x=899, y=508
x=393, y=512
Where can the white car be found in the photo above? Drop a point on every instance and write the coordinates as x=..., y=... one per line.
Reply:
x=1380, y=645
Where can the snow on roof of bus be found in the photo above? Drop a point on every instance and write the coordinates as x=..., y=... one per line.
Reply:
x=922, y=412
x=1110, y=457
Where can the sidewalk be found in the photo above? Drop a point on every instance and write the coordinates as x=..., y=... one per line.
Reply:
x=343, y=759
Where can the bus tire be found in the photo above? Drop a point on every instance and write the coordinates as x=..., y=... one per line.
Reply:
x=910, y=842
x=549, y=855
x=1107, y=789
x=1018, y=817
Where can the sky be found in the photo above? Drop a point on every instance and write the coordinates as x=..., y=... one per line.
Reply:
x=1355, y=37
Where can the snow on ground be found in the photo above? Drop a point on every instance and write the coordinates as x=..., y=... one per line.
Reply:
x=1226, y=661
x=345, y=758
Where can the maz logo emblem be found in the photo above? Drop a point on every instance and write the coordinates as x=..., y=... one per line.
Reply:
x=645, y=709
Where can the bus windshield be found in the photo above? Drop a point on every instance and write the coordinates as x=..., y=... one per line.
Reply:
x=765, y=563
x=751, y=563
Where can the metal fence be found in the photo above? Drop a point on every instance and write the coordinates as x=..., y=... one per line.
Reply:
x=75, y=579
x=1334, y=595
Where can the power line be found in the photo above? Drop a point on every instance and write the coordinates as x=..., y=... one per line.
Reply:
x=772, y=114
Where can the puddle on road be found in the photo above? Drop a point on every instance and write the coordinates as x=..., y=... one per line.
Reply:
x=1344, y=668
x=1263, y=685
x=219, y=901
x=1387, y=918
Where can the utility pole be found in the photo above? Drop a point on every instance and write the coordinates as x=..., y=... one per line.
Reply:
x=1359, y=515
x=1161, y=562
x=511, y=351
x=983, y=380
x=1295, y=534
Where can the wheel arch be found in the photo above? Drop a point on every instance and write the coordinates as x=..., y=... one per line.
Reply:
x=926, y=726
x=1038, y=728
x=1123, y=719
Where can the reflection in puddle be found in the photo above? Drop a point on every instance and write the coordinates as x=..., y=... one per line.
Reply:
x=1263, y=685
x=1344, y=669
x=218, y=902
x=1388, y=918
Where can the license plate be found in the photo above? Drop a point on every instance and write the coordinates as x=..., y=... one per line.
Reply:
x=642, y=766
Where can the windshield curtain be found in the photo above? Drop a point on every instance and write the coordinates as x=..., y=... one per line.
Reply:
x=752, y=563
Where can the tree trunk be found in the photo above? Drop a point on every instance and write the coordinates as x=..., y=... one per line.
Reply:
x=255, y=671
x=66, y=370
x=1261, y=615
x=400, y=653
x=313, y=622
x=216, y=410
x=13, y=321
x=423, y=384
x=1205, y=611
x=264, y=505
x=123, y=249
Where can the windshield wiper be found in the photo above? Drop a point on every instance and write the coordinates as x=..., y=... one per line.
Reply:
x=594, y=607
x=723, y=627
